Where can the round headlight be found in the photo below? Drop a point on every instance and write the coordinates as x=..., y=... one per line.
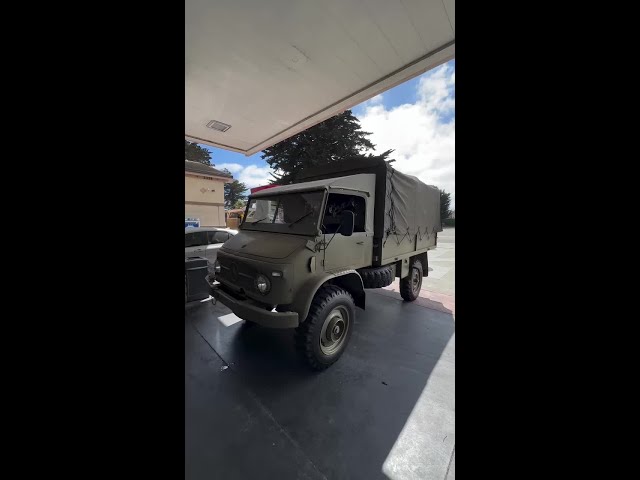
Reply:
x=262, y=284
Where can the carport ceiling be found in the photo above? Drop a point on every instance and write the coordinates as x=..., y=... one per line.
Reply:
x=257, y=72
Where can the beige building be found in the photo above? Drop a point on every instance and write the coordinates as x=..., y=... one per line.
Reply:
x=204, y=193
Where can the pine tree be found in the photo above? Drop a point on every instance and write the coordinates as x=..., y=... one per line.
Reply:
x=234, y=193
x=337, y=139
x=445, y=203
x=196, y=153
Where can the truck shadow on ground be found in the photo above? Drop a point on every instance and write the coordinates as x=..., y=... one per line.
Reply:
x=346, y=419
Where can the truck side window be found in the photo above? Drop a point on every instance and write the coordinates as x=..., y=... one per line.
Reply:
x=336, y=203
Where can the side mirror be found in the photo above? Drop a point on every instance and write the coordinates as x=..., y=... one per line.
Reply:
x=347, y=220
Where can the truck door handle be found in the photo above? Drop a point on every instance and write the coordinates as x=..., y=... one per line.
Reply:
x=360, y=243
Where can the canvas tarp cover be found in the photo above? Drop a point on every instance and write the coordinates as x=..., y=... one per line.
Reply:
x=411, y=207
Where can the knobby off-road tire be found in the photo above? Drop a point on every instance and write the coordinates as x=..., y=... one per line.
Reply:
x=324, y=335
x=377, y=277
x=411, y=284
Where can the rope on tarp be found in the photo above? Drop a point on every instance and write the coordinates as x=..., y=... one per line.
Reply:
x=426, y=233
x=422, y=235
x=391, y=212
x=407, y=234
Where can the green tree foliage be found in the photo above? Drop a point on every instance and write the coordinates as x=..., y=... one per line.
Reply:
x=337, y=139
x=196, y=153
x=234, y=193
x=445, y=203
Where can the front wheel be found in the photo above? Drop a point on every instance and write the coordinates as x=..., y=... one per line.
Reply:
x=411, y=284
x=324, y=335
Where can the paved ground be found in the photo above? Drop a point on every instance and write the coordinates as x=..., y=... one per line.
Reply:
x=438, y=289
x=386, y=409
x=442, y=264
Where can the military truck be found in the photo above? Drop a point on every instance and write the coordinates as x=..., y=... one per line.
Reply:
x=306, y=252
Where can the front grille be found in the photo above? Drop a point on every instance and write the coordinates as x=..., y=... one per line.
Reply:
x=237, y=273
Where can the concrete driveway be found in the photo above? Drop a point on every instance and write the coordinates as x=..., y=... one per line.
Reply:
x=386, y=409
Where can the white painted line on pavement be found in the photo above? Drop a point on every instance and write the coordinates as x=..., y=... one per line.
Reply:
x=229, y=319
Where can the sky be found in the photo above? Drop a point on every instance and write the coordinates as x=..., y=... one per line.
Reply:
x=416, y=119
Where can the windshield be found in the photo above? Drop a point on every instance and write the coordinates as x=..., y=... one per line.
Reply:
x=285, y=213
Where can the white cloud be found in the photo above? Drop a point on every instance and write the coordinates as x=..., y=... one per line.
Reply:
x=255, y=176
x=251, y=175
x=232, y=167
x=377, y=100
x=424, y=144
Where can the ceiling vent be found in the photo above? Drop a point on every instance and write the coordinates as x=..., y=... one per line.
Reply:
x=216, y=125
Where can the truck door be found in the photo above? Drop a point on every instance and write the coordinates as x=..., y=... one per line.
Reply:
x=346, y=252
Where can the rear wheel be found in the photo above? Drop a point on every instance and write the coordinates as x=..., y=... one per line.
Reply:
x=324, y=335
x=411, y=284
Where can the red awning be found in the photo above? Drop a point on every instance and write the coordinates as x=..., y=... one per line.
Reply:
x=257, y=189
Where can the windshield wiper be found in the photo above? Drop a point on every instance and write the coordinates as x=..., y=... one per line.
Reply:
x=259, y=220
x=298, y=219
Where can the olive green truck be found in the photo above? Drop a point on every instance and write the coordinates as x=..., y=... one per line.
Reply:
x=306, y=252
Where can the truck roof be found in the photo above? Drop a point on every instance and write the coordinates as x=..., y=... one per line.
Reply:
x=349, y=181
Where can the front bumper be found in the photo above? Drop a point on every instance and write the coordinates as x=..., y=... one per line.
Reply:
x=245, y=310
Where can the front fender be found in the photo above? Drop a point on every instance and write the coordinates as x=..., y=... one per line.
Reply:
x=350, y=280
